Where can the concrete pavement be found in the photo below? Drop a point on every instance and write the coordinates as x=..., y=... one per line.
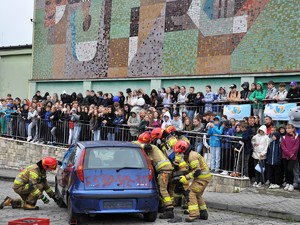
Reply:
x=260, y=202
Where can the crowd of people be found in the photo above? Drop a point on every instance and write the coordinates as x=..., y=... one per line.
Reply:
x=69, y=118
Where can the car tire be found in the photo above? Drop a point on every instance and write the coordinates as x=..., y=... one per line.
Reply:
x=150, y=216
x=74, y=218
x=60, y=201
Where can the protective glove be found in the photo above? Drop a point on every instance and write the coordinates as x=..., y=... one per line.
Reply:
x=197, y=173
x=177, y=159
x=183, y=180
x=44, y=199
x=55, y=198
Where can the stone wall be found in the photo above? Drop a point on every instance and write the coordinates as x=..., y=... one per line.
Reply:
x=227, y=184
x=19, y=154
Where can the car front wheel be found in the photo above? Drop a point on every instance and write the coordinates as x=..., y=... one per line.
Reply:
x=74, y=218
x=150, y=216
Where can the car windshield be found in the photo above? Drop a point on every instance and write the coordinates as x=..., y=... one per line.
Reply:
x=114, y=157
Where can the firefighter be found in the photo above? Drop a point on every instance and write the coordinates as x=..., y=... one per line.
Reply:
x=30, y=184
x=164, y=169
x=200, y=176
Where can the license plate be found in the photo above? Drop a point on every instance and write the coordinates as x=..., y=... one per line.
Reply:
x=117, y=204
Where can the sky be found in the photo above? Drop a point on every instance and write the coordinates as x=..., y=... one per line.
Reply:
x=15, y=24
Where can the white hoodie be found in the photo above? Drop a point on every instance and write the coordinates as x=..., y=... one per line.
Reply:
x=166, y=123
x=262, y=142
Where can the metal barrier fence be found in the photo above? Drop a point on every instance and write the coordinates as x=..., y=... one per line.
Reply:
x=59, y=133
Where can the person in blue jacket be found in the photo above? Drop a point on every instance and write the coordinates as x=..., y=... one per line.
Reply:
x=273, y=162
x=226, y=146
x=215, y=129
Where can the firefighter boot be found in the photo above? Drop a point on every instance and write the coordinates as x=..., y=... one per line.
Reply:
x=190, y=219
x=7, y=202
x=203, y=215
x=168, y=214
x=28, y=206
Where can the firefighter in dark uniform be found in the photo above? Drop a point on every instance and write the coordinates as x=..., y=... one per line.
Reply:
x=200, y=176
x=30, y=184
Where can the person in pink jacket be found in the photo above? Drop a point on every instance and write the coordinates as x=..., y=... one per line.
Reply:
x=290, y=146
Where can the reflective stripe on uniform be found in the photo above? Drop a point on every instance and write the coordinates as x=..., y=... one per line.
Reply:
x=194, y=163
x=161, y=164
x=182, y=164
x=26, y=187
x=36, y=192
x=18, y=182
x=33, y=175
x=203, y=207
x=205, y=175
x=193, y=208
x=48, y=190
x=167, y=199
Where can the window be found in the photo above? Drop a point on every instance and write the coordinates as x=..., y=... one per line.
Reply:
x=114, y=157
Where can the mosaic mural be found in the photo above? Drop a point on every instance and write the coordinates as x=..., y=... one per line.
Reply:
x=146, y=38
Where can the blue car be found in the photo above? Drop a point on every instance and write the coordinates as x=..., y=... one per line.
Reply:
x=106, y=177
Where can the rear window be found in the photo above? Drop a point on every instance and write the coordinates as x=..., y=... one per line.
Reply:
x=114, y=157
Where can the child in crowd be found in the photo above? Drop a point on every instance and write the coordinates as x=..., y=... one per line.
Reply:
x=214, y=129
x=247, y=134
x=290, y=147
x=273, y=162
x=260, y=144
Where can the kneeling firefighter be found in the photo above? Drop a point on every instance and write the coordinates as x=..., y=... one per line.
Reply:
x=200, y=176
x=30, y=184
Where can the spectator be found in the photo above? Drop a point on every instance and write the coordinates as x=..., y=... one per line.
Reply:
x=281, y=94
x=176, y=122
x=245, y=93
x=237, y=131
x=257, y=98
x=208, y=99
x=221, y=96
x=290, y=147
x=134, y=98
x=189, y=101
x=122, y=99
x=273, y=162
x=143, y=95
x=181, y=99
x=294, y=91
x=95, y=125
x=38, y=96
x=166, y=98
x=153, y=98
x=233, y=123
x=199, y=128
x=145, y=122
x=55, y=98
x=233, y=95
x=32, y=116
x=77, y=126
x=128, y=98
x=118, y=121
x=248, y=148
x=108, y=119
x=215, y=129
x=187, y=124
x=257, y=120
x=133, y=122
x=126, y=113
x=260, y=143
x=226, y=146
x=271, y=91
x=252, y=89
x=166, y=120
x=156, y=122
x=198, y=102
x=110, y=99
x=269, y=124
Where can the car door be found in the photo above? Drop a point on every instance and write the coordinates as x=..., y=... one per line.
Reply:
x=66, y=169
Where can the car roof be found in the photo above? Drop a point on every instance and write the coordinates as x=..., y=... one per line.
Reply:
x=93, y=144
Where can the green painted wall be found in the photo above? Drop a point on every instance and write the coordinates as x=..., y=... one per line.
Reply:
x=15, y=71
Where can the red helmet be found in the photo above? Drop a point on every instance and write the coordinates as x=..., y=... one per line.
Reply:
x=49, y=163
x=171, y=129
x=181, y=146
x=157, y=133
x=145, y=138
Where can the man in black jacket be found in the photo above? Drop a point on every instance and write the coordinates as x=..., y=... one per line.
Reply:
x=246, y=138
x=190, y=102
x=294, y=91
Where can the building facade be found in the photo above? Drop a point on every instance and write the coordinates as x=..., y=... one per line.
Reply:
x=110, y=45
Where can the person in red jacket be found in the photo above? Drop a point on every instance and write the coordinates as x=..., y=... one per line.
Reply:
x=290, y=146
